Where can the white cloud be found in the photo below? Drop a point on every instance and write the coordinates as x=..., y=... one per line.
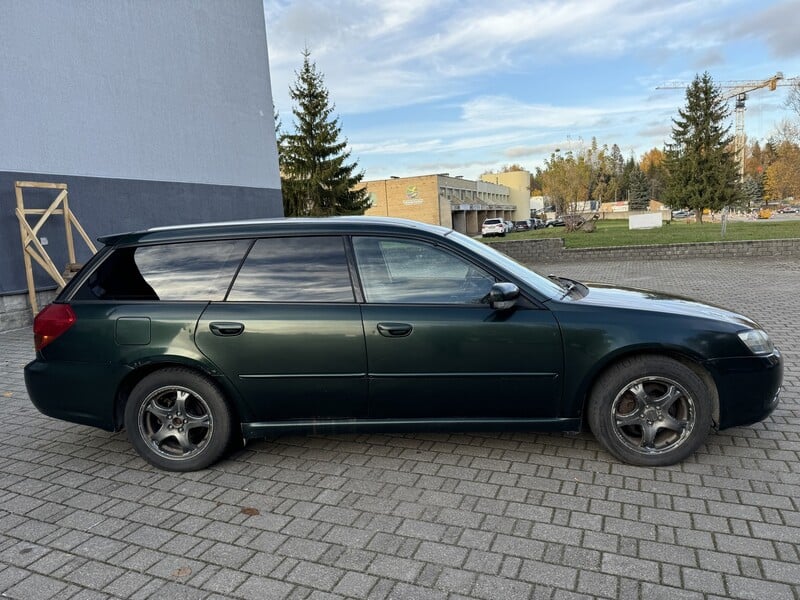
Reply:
x=449, y=80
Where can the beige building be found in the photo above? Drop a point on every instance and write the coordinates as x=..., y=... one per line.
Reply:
x=454, y=202
x=519, y=186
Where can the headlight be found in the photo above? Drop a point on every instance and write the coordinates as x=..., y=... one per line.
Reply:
x=757, y=341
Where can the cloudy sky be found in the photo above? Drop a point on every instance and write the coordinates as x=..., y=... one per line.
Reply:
x=463, y=86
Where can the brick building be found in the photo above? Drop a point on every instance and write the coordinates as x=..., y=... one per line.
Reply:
x=440, y=199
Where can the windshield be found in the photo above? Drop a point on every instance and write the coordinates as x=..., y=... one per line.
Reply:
x=543, y=285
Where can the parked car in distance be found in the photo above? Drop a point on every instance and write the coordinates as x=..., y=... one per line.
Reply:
x=492, y=227
x=556, y=222
x=537, y=223
x=787, y=210
x=195, y=337
x=509, y=226
x=682, y=214
x=524, y=225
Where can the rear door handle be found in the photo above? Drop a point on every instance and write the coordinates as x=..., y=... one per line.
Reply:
x=226, y=329
x=394, y=329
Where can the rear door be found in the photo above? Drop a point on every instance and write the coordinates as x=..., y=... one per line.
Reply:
x=289, y=334
x=138, y=306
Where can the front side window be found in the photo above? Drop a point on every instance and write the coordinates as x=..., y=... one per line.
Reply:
x=299, y=269
x=190, y=271
x=412, y=272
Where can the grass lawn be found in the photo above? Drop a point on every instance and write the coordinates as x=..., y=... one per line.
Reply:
x=616, y=233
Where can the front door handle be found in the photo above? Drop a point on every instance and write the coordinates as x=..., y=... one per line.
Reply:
x=394, y=329
x=226, y=329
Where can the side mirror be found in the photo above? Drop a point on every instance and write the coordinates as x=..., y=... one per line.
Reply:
x=502, y=296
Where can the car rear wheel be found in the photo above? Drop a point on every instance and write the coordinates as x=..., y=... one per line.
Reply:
x=651, y=411
x=178, y=420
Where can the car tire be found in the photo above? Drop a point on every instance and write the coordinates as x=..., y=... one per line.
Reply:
x=650, y=411
x=178, y=420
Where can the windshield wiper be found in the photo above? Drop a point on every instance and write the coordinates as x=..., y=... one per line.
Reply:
x=568, y=284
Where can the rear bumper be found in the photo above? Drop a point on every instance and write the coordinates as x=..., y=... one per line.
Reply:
x=76, y=392
x=749, y=387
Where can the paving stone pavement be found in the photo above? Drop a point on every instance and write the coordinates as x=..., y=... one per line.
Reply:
x=487, y=516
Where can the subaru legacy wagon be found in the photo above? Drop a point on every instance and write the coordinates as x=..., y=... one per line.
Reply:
x=195, y=337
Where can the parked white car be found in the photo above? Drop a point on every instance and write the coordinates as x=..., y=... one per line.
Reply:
x=492, y=227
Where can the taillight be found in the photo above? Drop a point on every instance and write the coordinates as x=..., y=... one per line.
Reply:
x=51, y=322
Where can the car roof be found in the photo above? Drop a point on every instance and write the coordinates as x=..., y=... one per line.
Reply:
x=279, y=226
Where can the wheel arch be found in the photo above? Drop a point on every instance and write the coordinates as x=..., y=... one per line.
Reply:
x=140, y=371
x=692, y=362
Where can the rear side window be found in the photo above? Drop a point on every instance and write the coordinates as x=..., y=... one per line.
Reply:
x=193, y=271
x=299, y=269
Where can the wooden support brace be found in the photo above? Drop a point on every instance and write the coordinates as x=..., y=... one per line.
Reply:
x=32, y=248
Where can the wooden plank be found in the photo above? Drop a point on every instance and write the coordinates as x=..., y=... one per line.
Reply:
x=49, y=267
x=68, y=228
x=25, y=257
x=85, y=237
x=40, y=185
x=50, y=210
x=41, y=211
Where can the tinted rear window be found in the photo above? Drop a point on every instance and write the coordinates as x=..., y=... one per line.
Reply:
x=197, y=271
x=301, y=269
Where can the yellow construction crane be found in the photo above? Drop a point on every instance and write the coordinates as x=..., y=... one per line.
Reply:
x=739, y=90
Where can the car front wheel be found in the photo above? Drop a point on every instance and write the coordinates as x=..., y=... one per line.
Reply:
x=651, y=411
x=178, y=420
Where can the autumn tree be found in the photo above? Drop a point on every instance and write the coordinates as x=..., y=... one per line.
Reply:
x=702, y=169
x=654, y=167
x=565, y=180
x=317, y=178
x=782, y=178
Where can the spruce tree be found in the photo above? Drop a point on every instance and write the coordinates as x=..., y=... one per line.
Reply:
x=316, y=178
x=639, y=190
x=700, y=162
x=753, y=191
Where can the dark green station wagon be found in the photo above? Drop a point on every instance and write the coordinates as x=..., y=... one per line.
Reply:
x=193, y=338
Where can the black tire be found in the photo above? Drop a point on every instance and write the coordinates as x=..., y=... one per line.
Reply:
x=650, y=411
x=178, y=420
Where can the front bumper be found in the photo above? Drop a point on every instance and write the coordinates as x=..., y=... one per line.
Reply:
x=748, y=387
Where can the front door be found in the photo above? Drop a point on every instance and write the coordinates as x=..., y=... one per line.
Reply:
x=436, y=350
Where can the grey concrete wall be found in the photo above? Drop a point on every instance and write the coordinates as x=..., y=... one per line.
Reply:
x=138, y=89
x=531, y=252
x=105, y=206
x=152, y=112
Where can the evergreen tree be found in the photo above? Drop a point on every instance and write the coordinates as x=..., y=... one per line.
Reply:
x=753, y=190
x=701, y=166
x=625, y=180
x=639, y=190
x=617, y=170
x=316, y=178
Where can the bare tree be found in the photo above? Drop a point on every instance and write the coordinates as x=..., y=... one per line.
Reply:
x=793, y=99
